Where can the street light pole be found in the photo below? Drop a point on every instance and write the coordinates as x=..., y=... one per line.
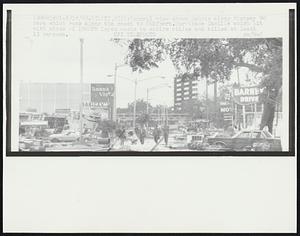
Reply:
x=147, y=101
x=114, y=115
x=134, y=106
x=206, y=94
x=81, y=86
x=114, y=111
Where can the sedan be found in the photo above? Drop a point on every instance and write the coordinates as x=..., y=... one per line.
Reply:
x=248, y=140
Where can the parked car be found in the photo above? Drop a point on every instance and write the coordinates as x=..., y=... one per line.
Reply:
x=33, y=145
x=247, y=140
x=98, y=137
x=65, y=136
x=195, y=141
x=178, y=141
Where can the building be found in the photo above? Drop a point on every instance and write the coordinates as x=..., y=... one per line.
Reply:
x=50, y=97
x=185, y=91
x=173, y=118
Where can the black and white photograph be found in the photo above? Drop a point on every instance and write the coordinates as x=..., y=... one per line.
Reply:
x=94, y=83
x=176, y=95
x=149, y=117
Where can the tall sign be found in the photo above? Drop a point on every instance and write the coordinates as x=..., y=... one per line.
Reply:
x=102, y=97
x=226, y=107
x=246, y=95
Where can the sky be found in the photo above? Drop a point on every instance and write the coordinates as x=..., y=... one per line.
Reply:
x=58, y=60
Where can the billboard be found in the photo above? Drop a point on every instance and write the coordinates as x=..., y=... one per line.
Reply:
x=102, y=96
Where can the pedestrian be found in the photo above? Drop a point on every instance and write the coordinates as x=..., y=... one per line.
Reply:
x=137, y=131
x=166, y=133
x=122, y=136
x=156, y=134
x=142, y=134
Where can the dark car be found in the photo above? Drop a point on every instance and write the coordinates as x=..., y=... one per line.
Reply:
x=247, y=140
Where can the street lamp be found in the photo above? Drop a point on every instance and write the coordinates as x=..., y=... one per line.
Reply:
x=135, y=81
x=114, y=116
x=153, y=88
x=81, y=87
x=135, y=86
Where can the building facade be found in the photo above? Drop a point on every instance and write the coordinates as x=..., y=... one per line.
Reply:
x=185, y=91
x=48, y=97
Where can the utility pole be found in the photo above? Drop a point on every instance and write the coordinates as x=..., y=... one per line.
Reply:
x=147, y=101
x=114, y=116
x=215, y=101
x=206, y=94
x=81, y=87
x=134, y=106
x=42, y=100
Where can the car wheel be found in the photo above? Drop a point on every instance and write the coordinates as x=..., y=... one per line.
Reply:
x=55, y=140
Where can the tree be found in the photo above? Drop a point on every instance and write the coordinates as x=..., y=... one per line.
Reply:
x=143, y=119
x=107, y=125
x=141, y=106
x=215, y=59
x=194, y=108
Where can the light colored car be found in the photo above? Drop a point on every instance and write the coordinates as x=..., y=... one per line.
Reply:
x=65, y=136
x=248, y=140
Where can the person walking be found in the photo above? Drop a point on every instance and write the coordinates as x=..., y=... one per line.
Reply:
x=156, y=134
x=142, y=134
x=166, y=133
x=121, y=134
x=137, y=132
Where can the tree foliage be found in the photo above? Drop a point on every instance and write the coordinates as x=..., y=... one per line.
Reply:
x=215, y=59
x=143, y=119
x=141, y=106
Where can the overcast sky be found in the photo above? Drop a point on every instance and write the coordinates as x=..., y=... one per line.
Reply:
x=58, y=60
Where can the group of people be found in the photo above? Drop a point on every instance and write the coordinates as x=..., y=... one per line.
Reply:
x=140, y=133
x=158, y=131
